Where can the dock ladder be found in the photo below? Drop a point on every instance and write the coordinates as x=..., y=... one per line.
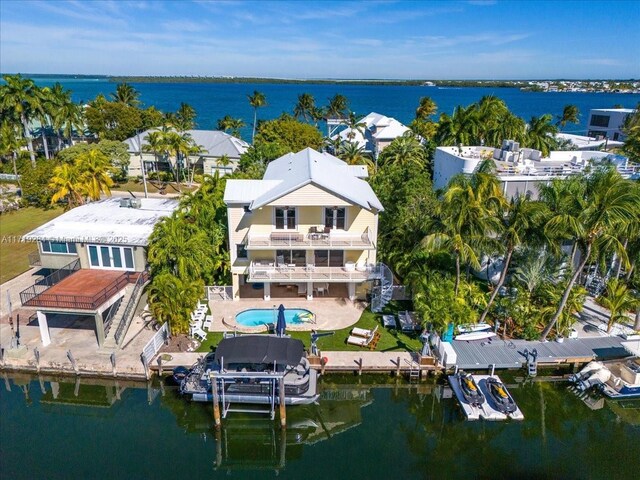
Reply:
x=414, y=371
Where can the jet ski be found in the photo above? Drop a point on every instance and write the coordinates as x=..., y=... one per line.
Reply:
x=470, y=390
x=502, y=400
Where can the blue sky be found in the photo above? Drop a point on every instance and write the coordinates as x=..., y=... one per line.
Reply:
x=296, y=39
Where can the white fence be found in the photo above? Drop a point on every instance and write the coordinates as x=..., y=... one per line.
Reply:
x=154, y=344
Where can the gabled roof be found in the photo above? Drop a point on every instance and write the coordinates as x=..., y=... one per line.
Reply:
x=377, y=126
x=214, y=142
x=295, y=170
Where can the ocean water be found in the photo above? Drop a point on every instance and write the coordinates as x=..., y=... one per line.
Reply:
x=213, y=101
x=63, y=428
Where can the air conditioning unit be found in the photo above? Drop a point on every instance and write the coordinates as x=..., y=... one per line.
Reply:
x=135, y=202
x=125, y=203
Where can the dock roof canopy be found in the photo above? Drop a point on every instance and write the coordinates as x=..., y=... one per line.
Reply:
x=295, y=170
x=106, y=222
x=260, y=349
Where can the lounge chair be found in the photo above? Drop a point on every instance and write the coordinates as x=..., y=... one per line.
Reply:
x=371, y=341
x=198, y=333
x=389, y=321
x=363, y=332
x=302, y=289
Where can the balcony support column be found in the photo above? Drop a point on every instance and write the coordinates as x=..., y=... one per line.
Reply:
x=44, y=328
x=235, y=282
x=267, y=291
x=351, y=291
x=309, y=290
x=99, y=328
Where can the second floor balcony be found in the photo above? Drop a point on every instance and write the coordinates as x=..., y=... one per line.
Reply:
x=314, y=238
x=266, y=271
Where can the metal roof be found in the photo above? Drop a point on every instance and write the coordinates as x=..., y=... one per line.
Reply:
x=106, y=222
x=295, y=170
x=214, y=142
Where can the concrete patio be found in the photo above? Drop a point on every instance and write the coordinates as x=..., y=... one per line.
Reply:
x=330, y=313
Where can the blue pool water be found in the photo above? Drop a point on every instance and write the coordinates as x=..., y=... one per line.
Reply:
x=259, y=316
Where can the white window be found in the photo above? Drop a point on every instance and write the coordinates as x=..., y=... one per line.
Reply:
x=63, y=248
x=111, y=257
x=335, y=218
x=285, y=218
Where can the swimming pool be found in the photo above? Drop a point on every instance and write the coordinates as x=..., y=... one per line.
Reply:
x=258, y=317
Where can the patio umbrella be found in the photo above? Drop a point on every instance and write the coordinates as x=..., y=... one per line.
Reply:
x=281, y=324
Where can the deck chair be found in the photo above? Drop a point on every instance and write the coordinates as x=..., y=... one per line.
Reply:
x=280, y=263
x=363, y=332
x=208, y=321
x=198, y=333
x=359, y=341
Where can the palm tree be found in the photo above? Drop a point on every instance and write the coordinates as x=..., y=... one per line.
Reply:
x=619, y=300
x=95, y=167
x=257, y=100
x=405, y=150
x=10, y=144
x=21, y=98
x=570, y=114
x=460, y=129
x=305, y=107
x=126, y=94
x=609, y=204
x=353, y=154
x=541, y=134
x=338, y=107
x=67, y=185
x=520, y=219
x=180, y=247
x=230, y=124
x=184, y=118
x=426, y=109
x=172, y=299
x=465, y=220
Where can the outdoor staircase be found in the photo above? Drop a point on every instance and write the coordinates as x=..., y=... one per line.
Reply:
x=124, y=315
x=595, y=284
x=382, y=292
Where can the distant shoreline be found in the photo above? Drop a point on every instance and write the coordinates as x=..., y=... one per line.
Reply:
x=560, y=85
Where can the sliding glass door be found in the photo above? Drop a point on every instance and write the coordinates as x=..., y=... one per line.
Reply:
x=329, y=258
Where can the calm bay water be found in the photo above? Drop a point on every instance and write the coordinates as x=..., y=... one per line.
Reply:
x=213, y=101
x=66, y=430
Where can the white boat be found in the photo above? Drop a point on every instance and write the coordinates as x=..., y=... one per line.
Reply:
x=475, y=336
x=474, y=327
x=617, y=380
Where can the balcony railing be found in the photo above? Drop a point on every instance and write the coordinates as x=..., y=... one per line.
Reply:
x=333, y=239
x=34, y=259
x=268, y=271
x=37, y=296
x=631, y=170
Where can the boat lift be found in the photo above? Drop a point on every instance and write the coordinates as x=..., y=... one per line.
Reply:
x=274, y=380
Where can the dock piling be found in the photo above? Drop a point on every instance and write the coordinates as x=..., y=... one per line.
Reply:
x=113, y=363
x=359, y=362
x=397, y=366
x=216, y=404
x=36, y=354
x=283, y=408
x=73, y=361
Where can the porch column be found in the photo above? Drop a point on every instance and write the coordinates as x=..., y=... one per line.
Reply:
x=267, y=291
x=351, y=291
x=309, y=290
x=44, y=328
x=235, y=286
x=99, y=328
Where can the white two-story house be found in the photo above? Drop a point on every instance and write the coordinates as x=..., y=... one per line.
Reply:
x=309, y=227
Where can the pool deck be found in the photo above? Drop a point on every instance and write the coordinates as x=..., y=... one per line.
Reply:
x=329, y=313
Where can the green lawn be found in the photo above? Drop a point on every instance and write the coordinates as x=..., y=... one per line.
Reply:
x=13, y=253
x=390, y=340
x=151, y=187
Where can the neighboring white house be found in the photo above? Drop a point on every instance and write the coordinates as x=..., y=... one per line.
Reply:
x=215, y=144
x=377, y=132
x=88, y=259
x=308, y=227
x=608, y=123
x=522, y=170
x=581, y=142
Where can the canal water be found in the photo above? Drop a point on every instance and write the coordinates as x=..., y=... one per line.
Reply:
x=62, y=428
